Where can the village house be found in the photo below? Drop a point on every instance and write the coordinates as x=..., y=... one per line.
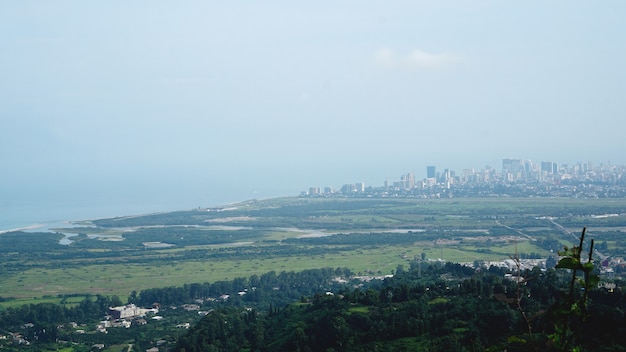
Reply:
x=129, y=311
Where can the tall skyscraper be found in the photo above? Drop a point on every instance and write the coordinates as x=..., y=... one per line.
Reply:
x=410, y=181
x=549, y=167
x=513, y=168
x=431, y=172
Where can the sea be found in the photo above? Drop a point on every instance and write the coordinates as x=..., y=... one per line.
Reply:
x=44, y=214
x=43, y=217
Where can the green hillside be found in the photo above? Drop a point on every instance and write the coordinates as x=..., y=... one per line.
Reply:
x=438, y=308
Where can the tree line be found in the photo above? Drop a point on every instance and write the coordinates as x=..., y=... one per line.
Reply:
x=428, y=307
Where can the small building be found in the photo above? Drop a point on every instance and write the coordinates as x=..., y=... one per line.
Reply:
x=127, y=311
x=130, y=311
x=190, y=307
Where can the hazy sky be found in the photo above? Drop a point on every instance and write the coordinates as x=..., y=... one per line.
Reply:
x=203, y=102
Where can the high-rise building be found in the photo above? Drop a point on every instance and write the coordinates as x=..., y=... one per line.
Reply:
x=431, y=172
x=410, y=181
x=529, y=169
x=546, y=166
x=513, y=169
x=348, y=188
x=446, y=175
x=549, y=167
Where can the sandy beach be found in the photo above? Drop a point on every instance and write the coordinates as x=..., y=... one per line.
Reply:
x=26, y=228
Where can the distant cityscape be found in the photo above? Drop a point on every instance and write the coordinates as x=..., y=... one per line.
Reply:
x=517, y=178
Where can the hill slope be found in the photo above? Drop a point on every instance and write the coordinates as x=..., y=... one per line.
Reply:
x=447, y=308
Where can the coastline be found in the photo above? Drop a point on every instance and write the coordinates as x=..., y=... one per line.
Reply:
x=25, y=228
x=44, y=217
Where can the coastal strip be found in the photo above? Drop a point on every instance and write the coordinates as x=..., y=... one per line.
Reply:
x=25, y=228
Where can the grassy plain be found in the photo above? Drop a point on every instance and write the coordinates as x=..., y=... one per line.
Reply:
x=121, y=280
x=292, y=234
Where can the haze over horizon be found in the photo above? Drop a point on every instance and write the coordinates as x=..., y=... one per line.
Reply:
x=204, y=103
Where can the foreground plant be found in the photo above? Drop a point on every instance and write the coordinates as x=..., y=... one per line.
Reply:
x=571, y=313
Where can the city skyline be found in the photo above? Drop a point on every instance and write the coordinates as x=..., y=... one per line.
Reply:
x=512, y=170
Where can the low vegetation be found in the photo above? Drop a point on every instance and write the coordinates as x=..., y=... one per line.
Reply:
x=177, y=258
x=117, y=256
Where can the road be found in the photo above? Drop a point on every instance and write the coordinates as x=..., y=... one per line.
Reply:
x=575, y=237
x=516, y=230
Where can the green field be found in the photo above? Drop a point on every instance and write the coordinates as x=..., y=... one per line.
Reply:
x=291, y=234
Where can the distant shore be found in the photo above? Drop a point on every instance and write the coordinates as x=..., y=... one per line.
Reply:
x=25, y=228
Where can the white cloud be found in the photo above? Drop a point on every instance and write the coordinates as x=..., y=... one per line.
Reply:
x=417, y=59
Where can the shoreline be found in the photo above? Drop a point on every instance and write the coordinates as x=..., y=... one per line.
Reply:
x=25, y=228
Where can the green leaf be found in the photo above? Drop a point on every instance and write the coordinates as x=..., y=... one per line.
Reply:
x=516, y=339
x=593, y=280
x=569, y=263
x=575, y=309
